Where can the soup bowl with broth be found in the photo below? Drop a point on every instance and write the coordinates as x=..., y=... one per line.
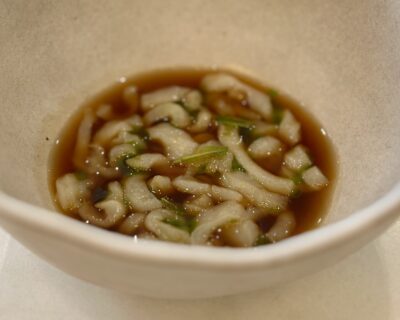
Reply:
x=139, y=156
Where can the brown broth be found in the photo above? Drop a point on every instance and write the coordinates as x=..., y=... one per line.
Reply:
x=309, y=209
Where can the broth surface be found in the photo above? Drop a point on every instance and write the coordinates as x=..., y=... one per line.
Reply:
x=308, y=209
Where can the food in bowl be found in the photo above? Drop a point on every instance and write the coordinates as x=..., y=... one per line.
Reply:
x=203, y=157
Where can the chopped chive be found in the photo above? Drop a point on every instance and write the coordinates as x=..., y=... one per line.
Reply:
x=182, y=223
x=298, y=178
x=140, y=131
x=277, y=115
x=263, y=240
x=236, y=166
x=80, y=175
x=203, y=154
x=273, y=93
x=235, y=122
x=124, y=168
x=169, y=204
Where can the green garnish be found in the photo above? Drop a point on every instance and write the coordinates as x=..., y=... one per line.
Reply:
x=80, y=175
x=235, y=122
x=298, y=178
x=179, y=220
x=273, y=93
x=139, y=146
x=262, y=240
x=140, y=131
x=277, y=115
x=124, y=168
x=182, y=223
x=236, y=166
x=170, y=204
x=203, y=154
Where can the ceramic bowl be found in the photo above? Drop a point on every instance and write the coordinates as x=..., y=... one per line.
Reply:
x=339, y=58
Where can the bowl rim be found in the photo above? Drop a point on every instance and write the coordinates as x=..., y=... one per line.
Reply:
x=181, y=255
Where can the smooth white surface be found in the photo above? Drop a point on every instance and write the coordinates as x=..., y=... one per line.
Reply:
x=365, y=286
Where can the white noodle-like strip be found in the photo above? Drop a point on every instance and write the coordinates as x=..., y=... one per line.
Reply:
x=168, y=94
x=121, y=151
x=139, y=196
x=265, y=147
x=203, y=121
x=169, y=110
x=314, y=179
x=230, y=138
x=297, y=158
x=109, y=131
x=176, y=142
x=214, y=218
x=155, y=223
x=253, y=191
x=243, y=233
x=224, y=194
x=105, y=112
x=71, y=191
x=193, y=100
x=128, y=137
x=96, y=163
x=147, y=161
x=161, y=185
x=198, y=204
x=258, y=101
x=283, y=227
x=108, y=212
x=289, y=128
x=132, y=223
x=188, y=184
x=83, y=139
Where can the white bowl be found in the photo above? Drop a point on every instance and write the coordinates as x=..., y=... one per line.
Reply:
x=341, y=60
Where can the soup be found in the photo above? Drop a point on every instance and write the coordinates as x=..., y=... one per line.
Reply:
x=203, y=157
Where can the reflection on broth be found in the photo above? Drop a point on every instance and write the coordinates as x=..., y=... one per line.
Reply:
x=194, y=156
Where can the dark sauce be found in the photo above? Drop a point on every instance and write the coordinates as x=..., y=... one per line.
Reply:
x=309, y=209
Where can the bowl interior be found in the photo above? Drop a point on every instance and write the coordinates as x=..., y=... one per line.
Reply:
x=341, y=61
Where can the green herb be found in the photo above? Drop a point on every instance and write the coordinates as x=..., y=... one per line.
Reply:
x=297, y=178
x=235, y=122
x=277, y=115
x=169, y=204
x=140, y=131
x=80, y=175
x=203, y=154
x=139, y=146
x=98, y=194
x=262, y=240
x=183, y=223
x=236, y=166
x=124, y=168
x=273, y=93
x=202, y=169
